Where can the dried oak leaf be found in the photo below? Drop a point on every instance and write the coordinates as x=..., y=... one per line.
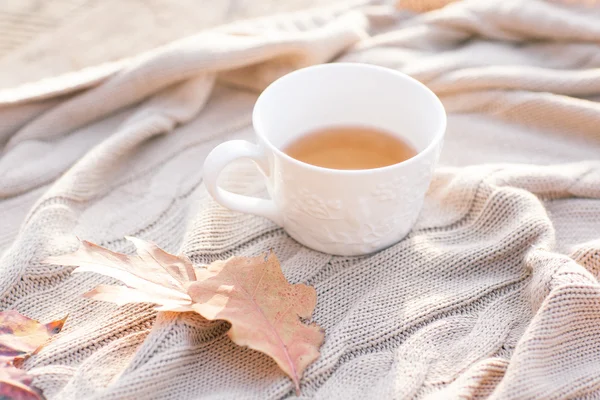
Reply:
x=251, y=293
x=263, y=308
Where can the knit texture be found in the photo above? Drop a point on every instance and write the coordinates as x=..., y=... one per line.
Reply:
x=494, y=294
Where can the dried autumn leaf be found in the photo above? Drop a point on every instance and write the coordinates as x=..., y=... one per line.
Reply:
x=264, y=310
x=21, y=335
x=151, y=276
x=15, y=384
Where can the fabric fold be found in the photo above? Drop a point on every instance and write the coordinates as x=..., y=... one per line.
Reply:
x=494, y=293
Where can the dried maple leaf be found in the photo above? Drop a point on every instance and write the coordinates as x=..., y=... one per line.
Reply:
x=151, y=276
x=251, y=293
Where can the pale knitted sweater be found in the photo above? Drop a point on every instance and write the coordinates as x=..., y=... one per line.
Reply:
x=494, y=293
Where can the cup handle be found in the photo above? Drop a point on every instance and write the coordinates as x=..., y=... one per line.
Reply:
x=218, y=159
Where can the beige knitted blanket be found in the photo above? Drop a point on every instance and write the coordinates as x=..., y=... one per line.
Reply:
x=495, y=293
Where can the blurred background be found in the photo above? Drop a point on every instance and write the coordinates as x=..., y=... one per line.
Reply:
x=43, y=38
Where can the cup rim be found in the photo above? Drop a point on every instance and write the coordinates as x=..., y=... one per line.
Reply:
x=439, y=135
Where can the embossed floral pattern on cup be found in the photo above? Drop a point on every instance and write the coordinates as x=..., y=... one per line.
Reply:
x=386, y=191
x=310, y=218
x=310, y=204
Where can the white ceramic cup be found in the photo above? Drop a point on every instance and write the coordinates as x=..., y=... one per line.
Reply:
x=343, y=212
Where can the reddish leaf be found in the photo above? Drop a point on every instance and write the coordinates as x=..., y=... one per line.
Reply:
x=15, y=384
x=21, y=335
